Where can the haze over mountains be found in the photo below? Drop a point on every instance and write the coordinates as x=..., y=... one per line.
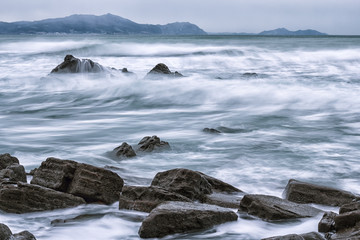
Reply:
x=112, y=24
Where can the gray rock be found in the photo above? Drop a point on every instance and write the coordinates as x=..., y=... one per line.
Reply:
x=5, y=232
x=347, y=220
x=125, y=150
x=92, y=183
x=24, y=235
x=274, y=208
x=349, y=234
x=181, y=217
x=149, y=144
x=23, y=198
x=305, y=236
x=349, y=207
x=72, y=64
x=146, y=199
x=14, y=173
x=7, y=160
x=161, y=71
x=327, y=223
x=301, y=192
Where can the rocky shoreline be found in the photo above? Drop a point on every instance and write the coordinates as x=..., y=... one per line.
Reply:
x=178, y=200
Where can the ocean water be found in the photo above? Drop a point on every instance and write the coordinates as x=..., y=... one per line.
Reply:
x=299, y=118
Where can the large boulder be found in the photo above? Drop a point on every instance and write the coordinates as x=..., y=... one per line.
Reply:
x=124, y=150
x=305, y=236
x=181, y=217
x=72, y=64
x=274, y=208
x=92, y=183
x=23, y=198
x=149, y=144
x=161, y=71
x=301, y=192
x=146, y=199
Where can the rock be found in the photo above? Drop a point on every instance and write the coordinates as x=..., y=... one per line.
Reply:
x=223, y=200
x=160, y=71
x=305, y=236
x=125, y=150
x=327, y=223
x=14, y=172
x=274, y=208
x=250, y=74
x=149, y=144
x=301, y=192
x=92, y=183
x=72, y=64
x=146, y=199
x=24, y=235
x=23, y=198
x=347, y=220
x=181, y=217
x=350, y=234
x=5, y=232
x=211, y=130
x=349, y=207
x=7, y=160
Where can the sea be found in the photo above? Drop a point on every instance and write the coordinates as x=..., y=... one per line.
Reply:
x=297, y=118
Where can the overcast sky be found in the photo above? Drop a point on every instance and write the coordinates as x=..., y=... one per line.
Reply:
x=253, y=16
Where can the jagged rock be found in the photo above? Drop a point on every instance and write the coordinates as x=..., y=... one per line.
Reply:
x=274, y=208
x=181, y=217
x=72, y=64
x=125, y=150
x=24, y=235
x=160, y=71
x=146, y=199
x=301, y=192
x=23, y=197
x=5, y=232
x=211, y=130
x=327, y=223
x=305, y=236
x=149, y=144
x=94, y=184
x=349, y=207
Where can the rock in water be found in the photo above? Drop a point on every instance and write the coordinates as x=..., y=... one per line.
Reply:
x=72, y=64
x=301, y=192
x=10, y=169
x=149, y=144
x=327, y=222
x=181, y=217
x=5, y=232
x=161, y=71
x=24, y=235
x=305, y=236
x=274, y=208
x=124, y=150
x=211, y=130
x=32, y=198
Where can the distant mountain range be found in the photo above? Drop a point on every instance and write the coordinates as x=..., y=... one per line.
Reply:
x=280, y=32
x=105, y=24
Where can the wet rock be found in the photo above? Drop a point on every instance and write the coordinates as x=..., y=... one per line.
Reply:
x=72, y=64
x=349, y=207
x=5, y=232
x=327, y=223
x=161, y=71
x=15, y=173
x=7, y=160
x=211, y=130
x=301, y=192
x=92, y=183
x=250, y=75
x=125, y=150
x=181, y=217
x=347, y=220
x=305, y=236
x=223, y=200
x=23, y=198
x=146, y=199
x=149, y=144
x=24, y=235
x=274, y=208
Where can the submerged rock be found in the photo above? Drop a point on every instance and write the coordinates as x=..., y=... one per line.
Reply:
x=149, y=144
x=72, y=64
x=146, y=199
x=32, y=198
x=301, y=192
x=274, y=208
x=211, y=130
x=181, y=217
x=250, y=75
x=160, y=71
x=124, y=150
x=305, y=236
x=92, y=183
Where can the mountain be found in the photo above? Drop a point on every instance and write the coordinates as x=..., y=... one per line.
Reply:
x=285, y=32
x=104, y=24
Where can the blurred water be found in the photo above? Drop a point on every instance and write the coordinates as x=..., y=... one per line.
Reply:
x=298, y=119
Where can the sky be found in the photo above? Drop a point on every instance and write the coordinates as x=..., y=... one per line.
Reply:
x=251, y=16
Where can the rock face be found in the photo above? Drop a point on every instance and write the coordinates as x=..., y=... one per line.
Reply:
x=180, y=217
x=23, y=198
x=146, y=199
x=305, y=236
x=149, y=144
x=125, y=150
x=327, y=223
x=161, y=71
x=10, y=169
x=72, y=64
x=301, y=192
x=94, y=184
x=274, y=208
